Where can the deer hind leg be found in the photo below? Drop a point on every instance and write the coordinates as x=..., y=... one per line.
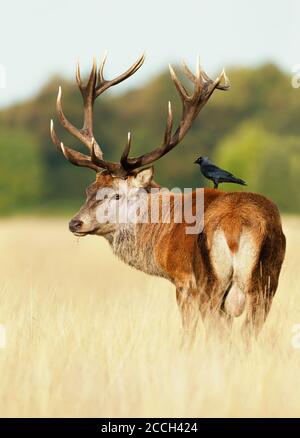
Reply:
x=258, y=307
x=264, y=283
x=233, y=266
x=216, y=322
x=243, y=263
x=213, y=292
x=188, y=303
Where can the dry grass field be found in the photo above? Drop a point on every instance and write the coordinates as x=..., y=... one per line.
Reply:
x=89, y=336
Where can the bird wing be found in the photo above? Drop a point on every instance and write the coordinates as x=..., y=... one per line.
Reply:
x=210, y=169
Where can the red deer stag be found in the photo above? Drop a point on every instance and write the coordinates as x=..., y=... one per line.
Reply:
x=231, y=265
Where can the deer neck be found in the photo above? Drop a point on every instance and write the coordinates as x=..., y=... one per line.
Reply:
x=134, y=243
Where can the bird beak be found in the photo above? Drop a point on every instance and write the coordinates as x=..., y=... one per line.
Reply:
x=196, y=162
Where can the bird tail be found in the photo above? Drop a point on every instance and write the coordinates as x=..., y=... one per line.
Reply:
x=241, y=181
x=238, y=181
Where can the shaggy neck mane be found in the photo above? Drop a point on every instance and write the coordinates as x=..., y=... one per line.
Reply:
x=134, y=243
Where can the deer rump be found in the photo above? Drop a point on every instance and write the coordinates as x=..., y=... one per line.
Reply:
x=239, y=242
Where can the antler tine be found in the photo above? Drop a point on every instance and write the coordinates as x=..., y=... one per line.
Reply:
x=222, y=77
x=203, y=76
x=66, y=123
x=96, y=155
x=126, y=151
x=78, y=76
x=100, y=78
x=180, y=88
x=198, y=79
x=90, y=82
x=54, y=137
x=169, y=125
x=88, y=95
x=104, y=84
x=71, y=155
x=190, y=75
x=78, y=158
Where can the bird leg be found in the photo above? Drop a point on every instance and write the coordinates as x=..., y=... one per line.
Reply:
x=216, y=184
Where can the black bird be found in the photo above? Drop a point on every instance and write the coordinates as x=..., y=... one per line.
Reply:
x=215, y=174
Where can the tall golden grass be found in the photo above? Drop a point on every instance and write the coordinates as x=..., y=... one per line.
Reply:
x=89, y=336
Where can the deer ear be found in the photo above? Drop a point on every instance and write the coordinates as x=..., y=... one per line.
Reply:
x=144, y=177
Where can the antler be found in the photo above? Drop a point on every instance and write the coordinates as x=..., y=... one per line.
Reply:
x=96, y=85
x=191, y=106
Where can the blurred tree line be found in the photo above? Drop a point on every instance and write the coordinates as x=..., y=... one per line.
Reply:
x=252, y=130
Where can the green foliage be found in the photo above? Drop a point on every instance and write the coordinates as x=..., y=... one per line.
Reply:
x=270, y=163
x=21, y=176
x=252, y=130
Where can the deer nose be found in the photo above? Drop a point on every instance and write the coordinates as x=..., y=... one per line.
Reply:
x=75, y=225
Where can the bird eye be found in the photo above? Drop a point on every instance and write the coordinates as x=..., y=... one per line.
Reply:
x=117, y=196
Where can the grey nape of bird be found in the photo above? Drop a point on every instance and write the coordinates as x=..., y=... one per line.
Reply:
x=215, y=174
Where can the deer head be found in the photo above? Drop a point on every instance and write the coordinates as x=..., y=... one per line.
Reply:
x=122, y=180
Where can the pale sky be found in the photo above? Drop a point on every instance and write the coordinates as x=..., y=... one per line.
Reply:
x=40, y=38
